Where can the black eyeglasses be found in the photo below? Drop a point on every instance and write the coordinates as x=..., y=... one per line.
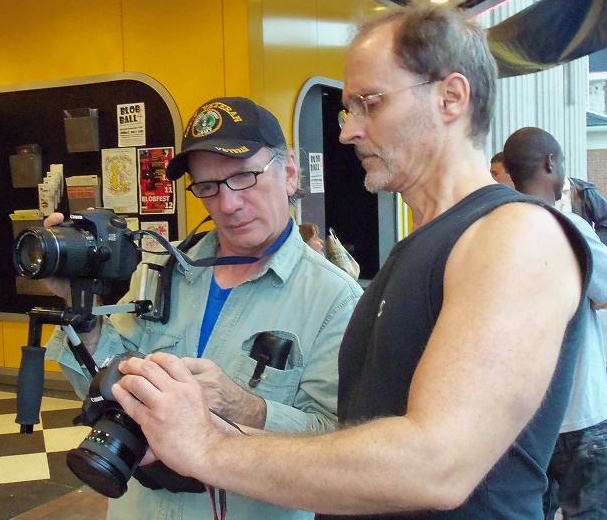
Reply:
x=360, y=106
x=236, y=182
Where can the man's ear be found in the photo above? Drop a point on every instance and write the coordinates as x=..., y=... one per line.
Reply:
x=292, y=174
x=454, y=96
x=549, y=162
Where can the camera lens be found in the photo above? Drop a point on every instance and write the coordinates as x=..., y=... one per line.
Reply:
x=31, y=253
x=36, y=253
x=107, y=458
x=61, y=251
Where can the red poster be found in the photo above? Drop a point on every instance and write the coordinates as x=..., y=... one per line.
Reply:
x=157, y=193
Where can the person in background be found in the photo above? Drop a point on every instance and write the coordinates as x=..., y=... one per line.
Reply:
x=578, y=465
x=449, y=407
x=311, y=236
x=498, y=171
x=236, y=155
x=584, y=199
x=335, y=252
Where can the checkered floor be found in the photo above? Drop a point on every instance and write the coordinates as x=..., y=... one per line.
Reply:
x=32, y=466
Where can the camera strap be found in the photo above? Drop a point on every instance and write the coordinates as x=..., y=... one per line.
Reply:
x=178, y=253
x=222, y=502
x=161, y=311
x=184, y=260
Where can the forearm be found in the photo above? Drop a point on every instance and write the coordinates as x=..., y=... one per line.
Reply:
x=332, y=473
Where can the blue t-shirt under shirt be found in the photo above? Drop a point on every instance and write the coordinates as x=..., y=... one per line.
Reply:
x=215, y=301
x=218, y=296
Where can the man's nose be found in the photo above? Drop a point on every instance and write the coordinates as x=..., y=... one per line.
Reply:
x=229, y=199
x=351, y=130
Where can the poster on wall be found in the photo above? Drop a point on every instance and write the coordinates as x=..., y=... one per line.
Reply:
x=157, y=191
x=316, y=169
x=131, y=124
x=149, y=244
x=119, y=175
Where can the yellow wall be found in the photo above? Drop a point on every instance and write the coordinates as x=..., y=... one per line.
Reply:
x=264, y=49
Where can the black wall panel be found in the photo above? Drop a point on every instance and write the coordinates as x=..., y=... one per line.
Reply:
x=36, y=116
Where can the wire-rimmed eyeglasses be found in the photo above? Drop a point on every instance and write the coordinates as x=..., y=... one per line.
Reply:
x=359, y=106
x=236, y=182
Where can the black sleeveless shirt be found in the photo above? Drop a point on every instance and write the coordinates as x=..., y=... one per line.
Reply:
x=386, y=338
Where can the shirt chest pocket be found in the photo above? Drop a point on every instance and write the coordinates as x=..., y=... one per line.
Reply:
x=255, y=373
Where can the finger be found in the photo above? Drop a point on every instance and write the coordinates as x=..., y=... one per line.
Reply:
x=53, y=220
x=198, y=367
x=133, y=407
x=146, y=373
x=173, y=366
x=194, y=365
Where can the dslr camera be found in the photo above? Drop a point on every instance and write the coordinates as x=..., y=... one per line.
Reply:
x=107, y=458
x=93, y=250
x=95, y=244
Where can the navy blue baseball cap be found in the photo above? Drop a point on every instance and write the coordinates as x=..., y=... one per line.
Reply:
x=231, y=126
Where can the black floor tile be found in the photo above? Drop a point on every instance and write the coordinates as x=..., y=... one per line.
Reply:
x=60, y=472
x=8, y=406
x=59, y=418
x=22, y=496
x=21, y=444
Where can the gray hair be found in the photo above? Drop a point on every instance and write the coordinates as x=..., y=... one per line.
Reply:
x=282, y=155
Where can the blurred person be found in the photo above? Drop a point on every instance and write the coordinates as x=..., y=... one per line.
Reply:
x=578, y=465
x=311, y=236
x=585, y=199
x=449, y=407
x=236, y=155
x=498, y=171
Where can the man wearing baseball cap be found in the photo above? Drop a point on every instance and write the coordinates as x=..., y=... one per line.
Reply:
x=260, y=328
x=235, y=127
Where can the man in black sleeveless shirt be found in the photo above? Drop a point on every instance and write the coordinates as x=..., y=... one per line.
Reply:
x=453, y=381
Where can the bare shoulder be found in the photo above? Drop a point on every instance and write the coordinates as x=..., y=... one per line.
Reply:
x=521, y=228
x=516, y=248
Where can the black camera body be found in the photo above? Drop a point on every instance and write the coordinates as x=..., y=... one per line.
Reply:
x=107, y=458
x=95, y=244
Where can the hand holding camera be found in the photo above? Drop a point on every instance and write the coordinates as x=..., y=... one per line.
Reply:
x=79, y=260
x=93, y=250
x=149, y=395
x=58, y=286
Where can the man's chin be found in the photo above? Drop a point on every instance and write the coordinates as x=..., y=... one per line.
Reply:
x=375, y=183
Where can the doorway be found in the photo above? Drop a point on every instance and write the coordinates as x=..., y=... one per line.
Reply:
x=333, y=193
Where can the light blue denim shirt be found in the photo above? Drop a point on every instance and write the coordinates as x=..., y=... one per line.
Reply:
x=298, y=295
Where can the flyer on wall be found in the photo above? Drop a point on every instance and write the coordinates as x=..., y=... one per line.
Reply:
x=119, y=172
x=131, y=124
x=157, y=191
x=149, y=244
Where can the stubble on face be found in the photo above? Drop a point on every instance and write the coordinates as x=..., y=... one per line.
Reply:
x=398, y=138
x=408, y=145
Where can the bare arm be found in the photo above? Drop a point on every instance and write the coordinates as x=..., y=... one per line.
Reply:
x=483, y=375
